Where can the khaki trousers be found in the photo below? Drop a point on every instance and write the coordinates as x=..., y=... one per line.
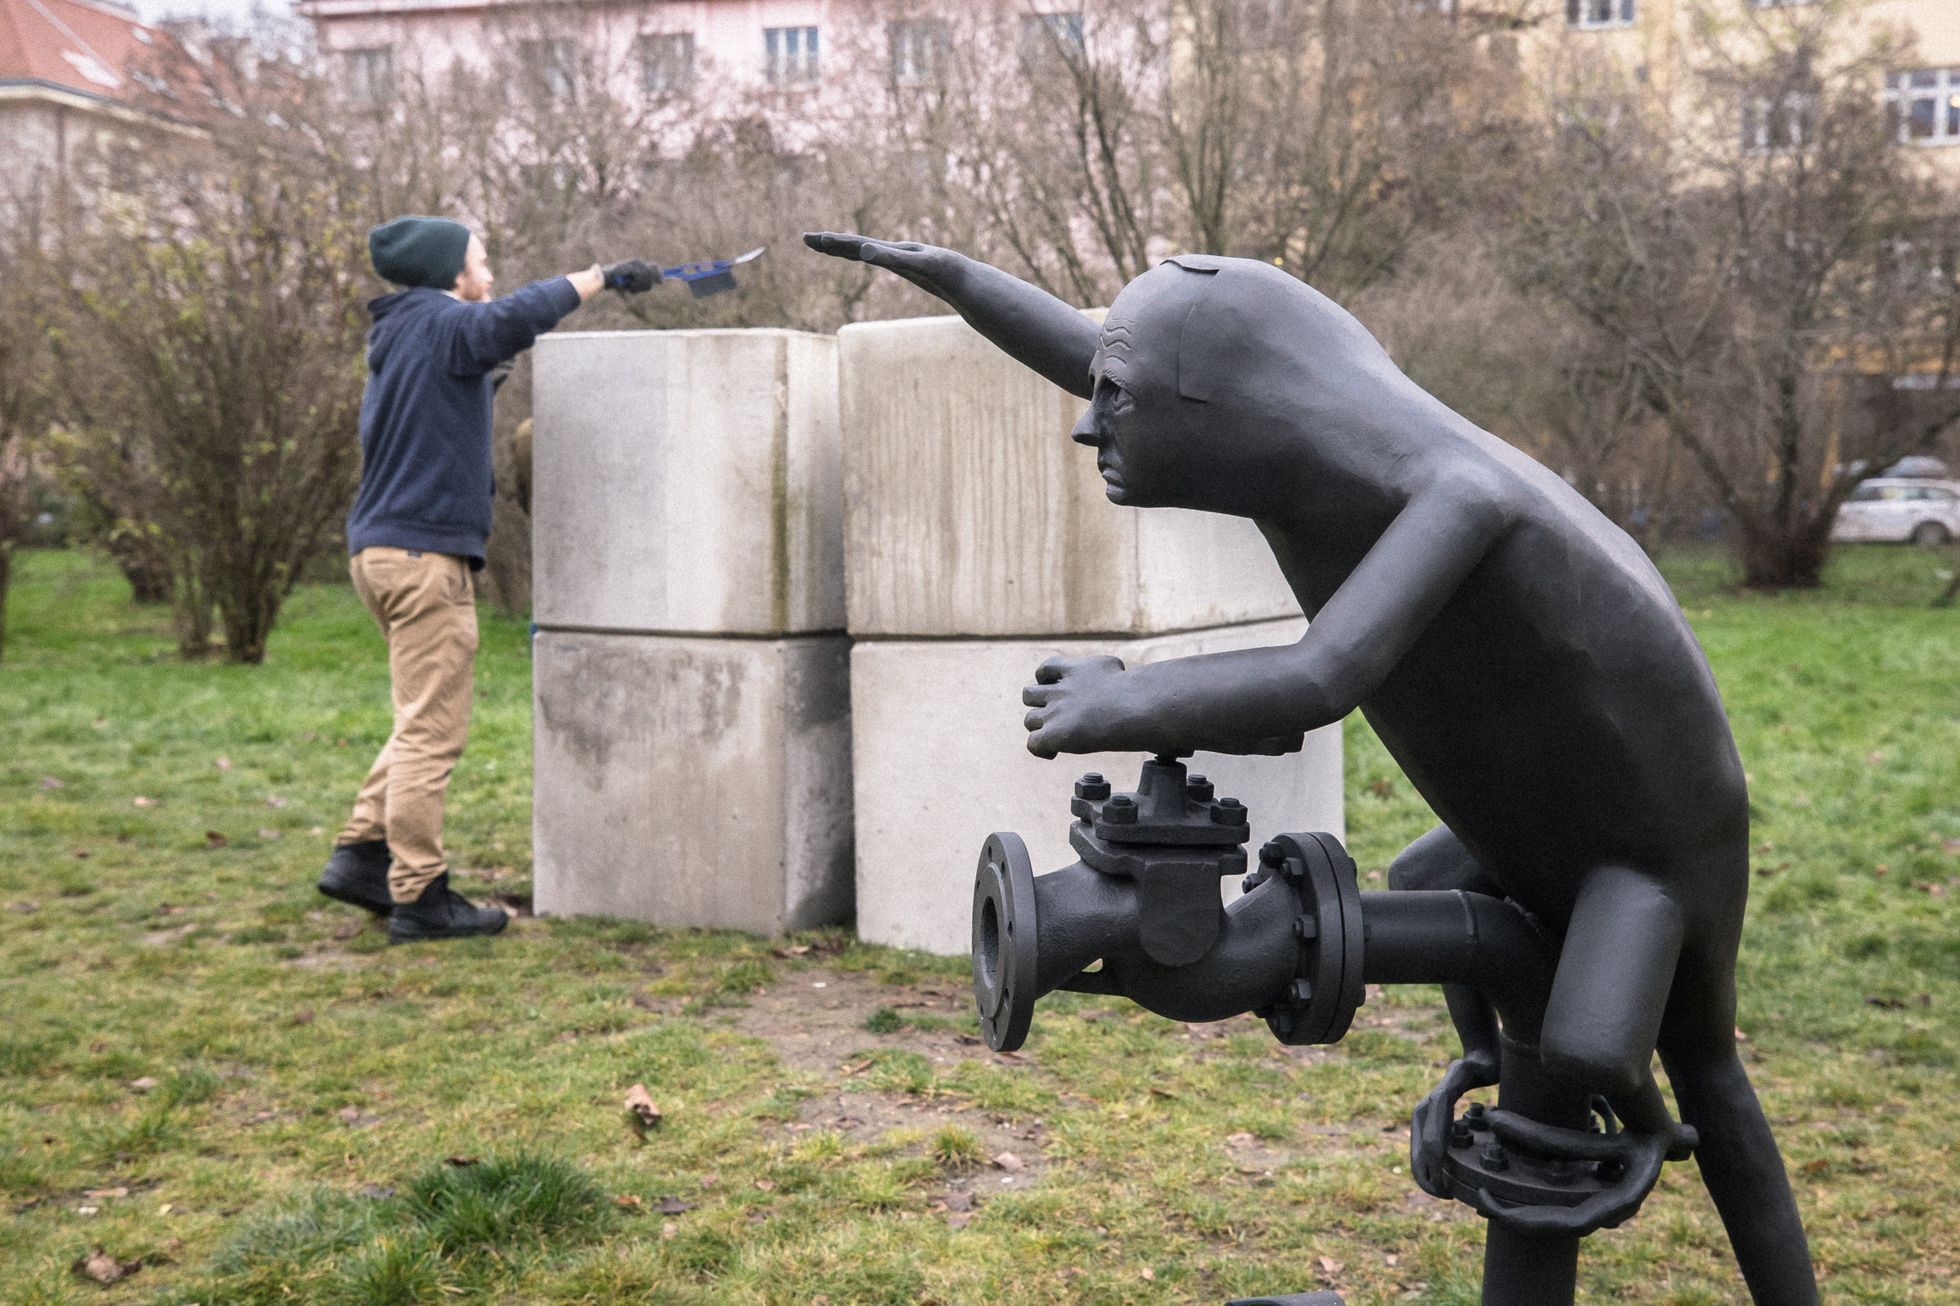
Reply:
x=425, y=604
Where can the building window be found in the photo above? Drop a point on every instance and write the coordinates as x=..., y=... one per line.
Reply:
x=553, y=66
x=1778, y=122
x=919, y=50
x=370, y=74
x=1927, y=102
x=1599, y=13
x=790, y=54
x=666, y=62
x=1045, y=36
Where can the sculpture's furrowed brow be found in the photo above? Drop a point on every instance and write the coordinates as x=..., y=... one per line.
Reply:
x=1115, y=351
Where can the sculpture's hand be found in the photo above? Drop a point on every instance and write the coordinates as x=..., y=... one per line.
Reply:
x=1638, y=1157
x=932, y=269
x=1073, y=702
x=1429, y=1130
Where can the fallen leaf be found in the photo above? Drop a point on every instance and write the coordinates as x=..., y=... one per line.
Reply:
x=639, y=1105
x=376, y=1192
x=106, y=1192
x=672, y=1206
x=796, y=950
x=267, y=832
x=669, y=1230
x=104, y=1268
x=459, y=1161
x=628, y=1201
x=1240, y=1139
x=222, y=763
x=349, y=1115
x=1741, y=1037
x=1329, y=1266
x=80, y=854
x=958, y=1219
x=99, y=722
x=143, y=1085
x=1149, y=1273
x=1874, y=757
x=959, y=1200
x=143, y=800
x=52, y=782
x=213, y=839
x=1392, y=1260
x=1881, y=870
x=1009, y=1161
x=766, y=1185
x=304, y=1016
x=166, y=1208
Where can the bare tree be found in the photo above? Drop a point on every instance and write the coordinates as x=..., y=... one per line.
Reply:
x=212, y=357
x=1754, y=254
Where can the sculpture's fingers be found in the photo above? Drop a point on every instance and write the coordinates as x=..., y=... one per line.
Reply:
x=1549, y=1140
x=1035, y=720
x=1053, y=669
x=1036, y=695
x=843, y=244
x=1041, y=745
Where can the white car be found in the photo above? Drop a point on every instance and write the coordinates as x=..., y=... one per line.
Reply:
x=1899, y=509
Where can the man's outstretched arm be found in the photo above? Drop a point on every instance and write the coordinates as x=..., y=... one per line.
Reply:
x=1029, y=324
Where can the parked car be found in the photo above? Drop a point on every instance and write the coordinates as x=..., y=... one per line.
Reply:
x=1897, y=509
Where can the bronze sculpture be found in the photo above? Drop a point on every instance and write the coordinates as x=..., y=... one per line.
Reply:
x=1525, y=665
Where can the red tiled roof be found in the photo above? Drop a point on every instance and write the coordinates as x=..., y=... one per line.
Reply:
x=89, y=48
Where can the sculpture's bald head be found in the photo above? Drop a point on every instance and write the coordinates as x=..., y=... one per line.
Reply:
x=1143, y=332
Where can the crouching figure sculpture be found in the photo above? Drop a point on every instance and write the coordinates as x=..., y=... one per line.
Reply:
x=1533, y=677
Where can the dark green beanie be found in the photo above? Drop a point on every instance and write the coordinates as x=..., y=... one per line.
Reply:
x=418, y=251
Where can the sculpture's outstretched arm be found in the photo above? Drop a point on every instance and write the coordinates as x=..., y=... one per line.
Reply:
x=1220, y=702
x=1028, y=323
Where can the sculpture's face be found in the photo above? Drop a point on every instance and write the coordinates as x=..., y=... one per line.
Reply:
x=1145, y=448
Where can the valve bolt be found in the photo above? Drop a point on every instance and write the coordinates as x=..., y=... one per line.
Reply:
x=1302, y=991
x=1459, y=1134
x=1092, y=787
x=1228, y=811
x=1494, y=1159
x=1252, y=881
x=1120, y=810
x=1198, y=789
x=1271, y=854
x=1305, y=927
x=1473, y=1116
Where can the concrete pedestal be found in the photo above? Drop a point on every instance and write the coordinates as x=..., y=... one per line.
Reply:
x=941, y=761
x=693, y=781
x=691, y=677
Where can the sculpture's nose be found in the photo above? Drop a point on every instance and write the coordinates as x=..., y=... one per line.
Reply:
x=1085, y=431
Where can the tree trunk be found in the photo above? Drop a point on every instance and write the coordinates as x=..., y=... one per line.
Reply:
x=1777, y=556
x=146, y=570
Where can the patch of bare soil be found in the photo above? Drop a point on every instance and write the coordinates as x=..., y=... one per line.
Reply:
x=813, y=1016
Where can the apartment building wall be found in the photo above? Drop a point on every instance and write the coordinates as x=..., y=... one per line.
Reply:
x=1656, y=42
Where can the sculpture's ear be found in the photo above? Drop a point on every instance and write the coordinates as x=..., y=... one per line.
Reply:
x=1201, y=347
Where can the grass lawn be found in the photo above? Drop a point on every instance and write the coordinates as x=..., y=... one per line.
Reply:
x=207, y=1069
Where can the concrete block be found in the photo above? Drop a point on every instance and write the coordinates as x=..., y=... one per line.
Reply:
x=941, y=761
x=688, y=482
x=973, y=514
x=693, y=781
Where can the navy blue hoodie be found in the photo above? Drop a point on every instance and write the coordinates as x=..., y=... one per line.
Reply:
x=425, y=416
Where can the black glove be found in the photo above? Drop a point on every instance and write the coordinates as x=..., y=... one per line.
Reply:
x=632, y=277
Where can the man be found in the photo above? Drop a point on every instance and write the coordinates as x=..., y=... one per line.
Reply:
x=417, y=533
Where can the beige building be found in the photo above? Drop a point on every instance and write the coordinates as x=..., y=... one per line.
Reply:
x=1656, y=42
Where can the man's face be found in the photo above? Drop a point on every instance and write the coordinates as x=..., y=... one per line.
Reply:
x=1134, y=422
x=474, y=282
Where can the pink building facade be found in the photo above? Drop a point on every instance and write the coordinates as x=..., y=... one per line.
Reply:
x=713, y=51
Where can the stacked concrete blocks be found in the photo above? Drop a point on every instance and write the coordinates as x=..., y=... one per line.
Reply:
x=978, y=543
x=692, y=692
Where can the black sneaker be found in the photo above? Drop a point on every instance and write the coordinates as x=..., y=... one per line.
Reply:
x=357, y=874
x=442, y=913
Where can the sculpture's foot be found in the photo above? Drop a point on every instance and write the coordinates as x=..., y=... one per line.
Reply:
x=1291, y=1299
